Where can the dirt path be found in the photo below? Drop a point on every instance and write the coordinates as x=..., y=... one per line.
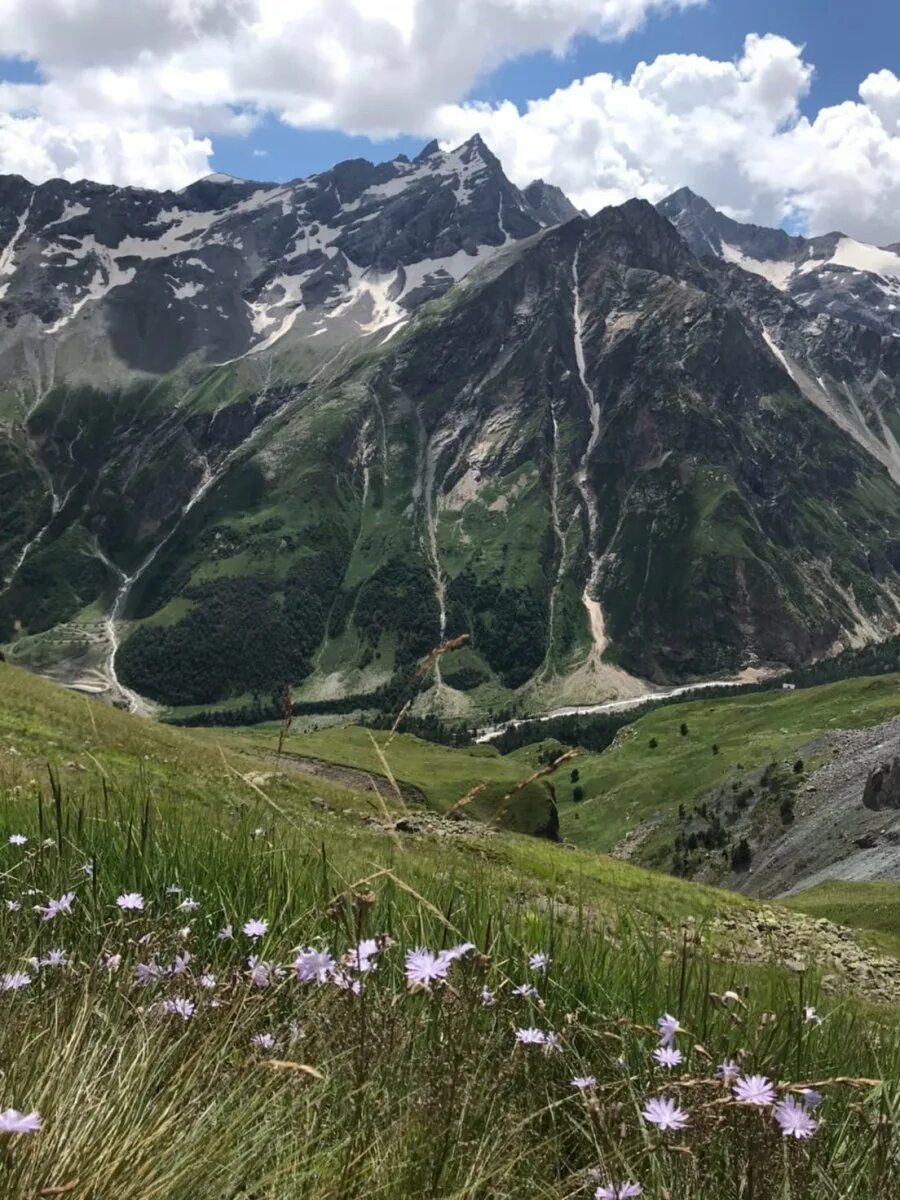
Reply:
x=356, y=780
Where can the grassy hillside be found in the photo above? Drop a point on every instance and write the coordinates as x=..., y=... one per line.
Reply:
x=444, y=776
x=87, y=743
x=249, y=1023
x=98, y=751
x=636, y=780
x=873, y=908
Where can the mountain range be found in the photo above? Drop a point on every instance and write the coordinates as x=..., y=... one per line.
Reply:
x=254, y=435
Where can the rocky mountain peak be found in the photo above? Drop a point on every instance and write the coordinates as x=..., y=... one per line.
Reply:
x=549, y=203
x=832, y=274
x=228, y=267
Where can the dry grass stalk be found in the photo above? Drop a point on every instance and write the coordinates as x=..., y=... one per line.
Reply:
x=283, y=1064
x=524, y=783
x=467, y=799
x=287, y=720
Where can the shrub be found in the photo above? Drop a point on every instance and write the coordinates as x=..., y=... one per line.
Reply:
x=741, y=856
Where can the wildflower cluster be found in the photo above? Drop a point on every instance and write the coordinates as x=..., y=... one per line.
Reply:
x=186, y=971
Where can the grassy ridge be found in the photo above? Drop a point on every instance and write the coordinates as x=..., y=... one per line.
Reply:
x=443, y=775
x=632, y=782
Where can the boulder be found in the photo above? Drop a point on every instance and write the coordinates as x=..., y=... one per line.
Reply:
x=883, y=787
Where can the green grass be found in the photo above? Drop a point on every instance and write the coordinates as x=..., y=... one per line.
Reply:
x=631, y=783
x=872, y=908
x=389, y=1093
x=87, y=743
x=443, y=775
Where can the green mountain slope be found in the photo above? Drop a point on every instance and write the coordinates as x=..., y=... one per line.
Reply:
x=587, y=456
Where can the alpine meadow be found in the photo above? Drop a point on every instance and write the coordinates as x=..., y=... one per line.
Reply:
x=449, y=601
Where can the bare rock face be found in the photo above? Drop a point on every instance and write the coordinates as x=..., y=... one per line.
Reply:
x=883, y=787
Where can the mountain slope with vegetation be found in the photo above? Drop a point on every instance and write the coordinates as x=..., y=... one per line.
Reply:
x=642, y=793
x=608, y=461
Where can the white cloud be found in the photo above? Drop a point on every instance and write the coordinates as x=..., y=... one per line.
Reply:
x=732, y=131
x=133, y=92
x=158, y=158
x=167, y=67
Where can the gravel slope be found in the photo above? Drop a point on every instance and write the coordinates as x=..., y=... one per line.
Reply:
x=831, y=821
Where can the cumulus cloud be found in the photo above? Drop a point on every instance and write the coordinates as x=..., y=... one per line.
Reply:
x=732, y=131
x=115, y=74
x=138, y=92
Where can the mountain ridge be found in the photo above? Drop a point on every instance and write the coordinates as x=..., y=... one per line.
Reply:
x=609, y=460
x=831, y=273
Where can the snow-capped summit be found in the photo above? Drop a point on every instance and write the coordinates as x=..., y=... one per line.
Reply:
x=227, y=267
x=832, y=274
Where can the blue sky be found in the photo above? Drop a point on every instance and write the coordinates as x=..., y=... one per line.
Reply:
x=844, y=39
x=777, y=111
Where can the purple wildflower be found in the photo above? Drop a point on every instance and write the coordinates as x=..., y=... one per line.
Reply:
x=18, y=839
x=526, y=990
x=130, y=902
x=728, y=1070
x=664, y=1113
x=147, y=973
x=12, y=1121
x=618, y=1191
x=179, y=1008
x=811, y=1098
x=488, y=999
x=180, y=965
x=14, y=981
x=263, y=974
x=539, y=961
x=55, y=958
x=207, y=982
x=256, y=927
x=225, y=934
x=424, y=968
x=794, y=1119
x=583, y=1082
x=263, y=1041
x=346, y=982
x=188, y=904
x=531, y=1037
x=456, y=952
x=754, y=1090
x=362, y=957
x=13, y=906
x=668, y=1056
x=313, y=966
x=54, y=907
x=669, y=1027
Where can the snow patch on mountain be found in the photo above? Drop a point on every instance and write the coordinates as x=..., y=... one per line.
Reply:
x=777, y=273
x=860, y=256
x=362, y=244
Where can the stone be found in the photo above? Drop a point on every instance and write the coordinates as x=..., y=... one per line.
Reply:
x=882, y=788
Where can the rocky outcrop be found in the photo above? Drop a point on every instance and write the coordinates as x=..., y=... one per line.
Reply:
x=883, y=787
